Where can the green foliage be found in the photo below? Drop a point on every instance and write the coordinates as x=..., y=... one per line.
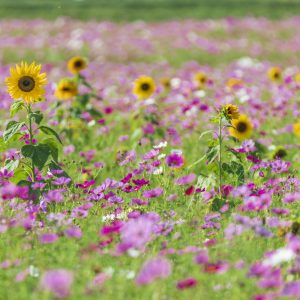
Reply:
x=39, y=154
x=36, y=116
x=16, y=107
x=12, y=128
x=49, y=131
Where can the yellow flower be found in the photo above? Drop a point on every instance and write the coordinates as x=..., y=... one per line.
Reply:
x=200, y=79
x=233, y=83
x=297, y=128
x=26, y=82
x=231, y=111
x=241, y=128
x=297, y=78
x=279, y=152
x=166, y=82
x=143, y=87
x=76, y=64
x=274, y=74
x=66, y=89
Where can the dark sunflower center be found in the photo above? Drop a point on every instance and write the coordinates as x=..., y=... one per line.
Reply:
x=276, y=75
x=241, y=127
x=26, y=84
x=203, y=80
x=280, y=153
x=145, y=86
x=78, y=63
x=66, y=89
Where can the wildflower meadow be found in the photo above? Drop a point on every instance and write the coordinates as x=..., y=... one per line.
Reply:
x=150, y=160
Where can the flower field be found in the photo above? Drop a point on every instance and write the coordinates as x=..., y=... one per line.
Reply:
x=150, y=160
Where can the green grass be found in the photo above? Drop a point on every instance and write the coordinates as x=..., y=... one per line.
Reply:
x=148, y=10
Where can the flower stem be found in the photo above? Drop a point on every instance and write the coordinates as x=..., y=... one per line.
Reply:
x=220, y=139
x=29, y=111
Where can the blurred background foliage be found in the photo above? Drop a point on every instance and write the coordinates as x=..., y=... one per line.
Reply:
x=148, y=10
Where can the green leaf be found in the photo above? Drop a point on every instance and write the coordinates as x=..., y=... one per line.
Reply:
x=212, y=154
x=28, y=151
x=12, y=128
x=95, y=113
x=11, y=165
x=53, y=147
x=50, y=131
x=36, y=116
x=3, y=146
x=41, y=154
x=38, y=153
x=15, y=107
x=216, y=204
x=20, y=174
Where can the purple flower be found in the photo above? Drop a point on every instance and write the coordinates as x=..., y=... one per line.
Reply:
x=137, y=232
x=61, y=181
x=291, y=289
x=48, y=238
x=155, y=268
x=271, y=280
x=153, y=193
x=73, y=232
x=185, y=179
x=58, y=282
x=187, y=283
x=202, y=257
x=174, y=160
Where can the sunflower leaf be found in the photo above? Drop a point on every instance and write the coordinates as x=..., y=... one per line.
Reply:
x=11, y=129
x=50, y=131
x=15, y=107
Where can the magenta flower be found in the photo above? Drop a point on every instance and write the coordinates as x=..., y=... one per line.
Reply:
x=185, y=179
x=174, y=160
x=48, y=238
x=153, y=193
x=136, y=233
x=291, y=289
x=73, y=232
x=187, y=283
x=155, y=268
x=58, y=282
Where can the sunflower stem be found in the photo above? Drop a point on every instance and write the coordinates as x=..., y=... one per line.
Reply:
x=29, y=111
x=220, y=139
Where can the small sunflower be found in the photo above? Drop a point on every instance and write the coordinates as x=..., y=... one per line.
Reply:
x=26, y=82
x=275, y=74
x=241, y=128
x=296, y=128
x=279, y=152
x=200, y=79
x=76, y=64
x=66, y=89
x=234, y=83
x=297, y=78
x=230, y=111
x=166, y=82
x=143, y=87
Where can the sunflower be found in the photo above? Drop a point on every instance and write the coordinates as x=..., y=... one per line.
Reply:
x=66, y=89
x=279, y=152
x=297, y=78
x=76, y=64
x=26, y=82
x=143, y=87
x=241, y=128
x=165, y=82
x=200, y=79
x=274, y=74
x=296, y=128
x=230, y=111
x=234, y=83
